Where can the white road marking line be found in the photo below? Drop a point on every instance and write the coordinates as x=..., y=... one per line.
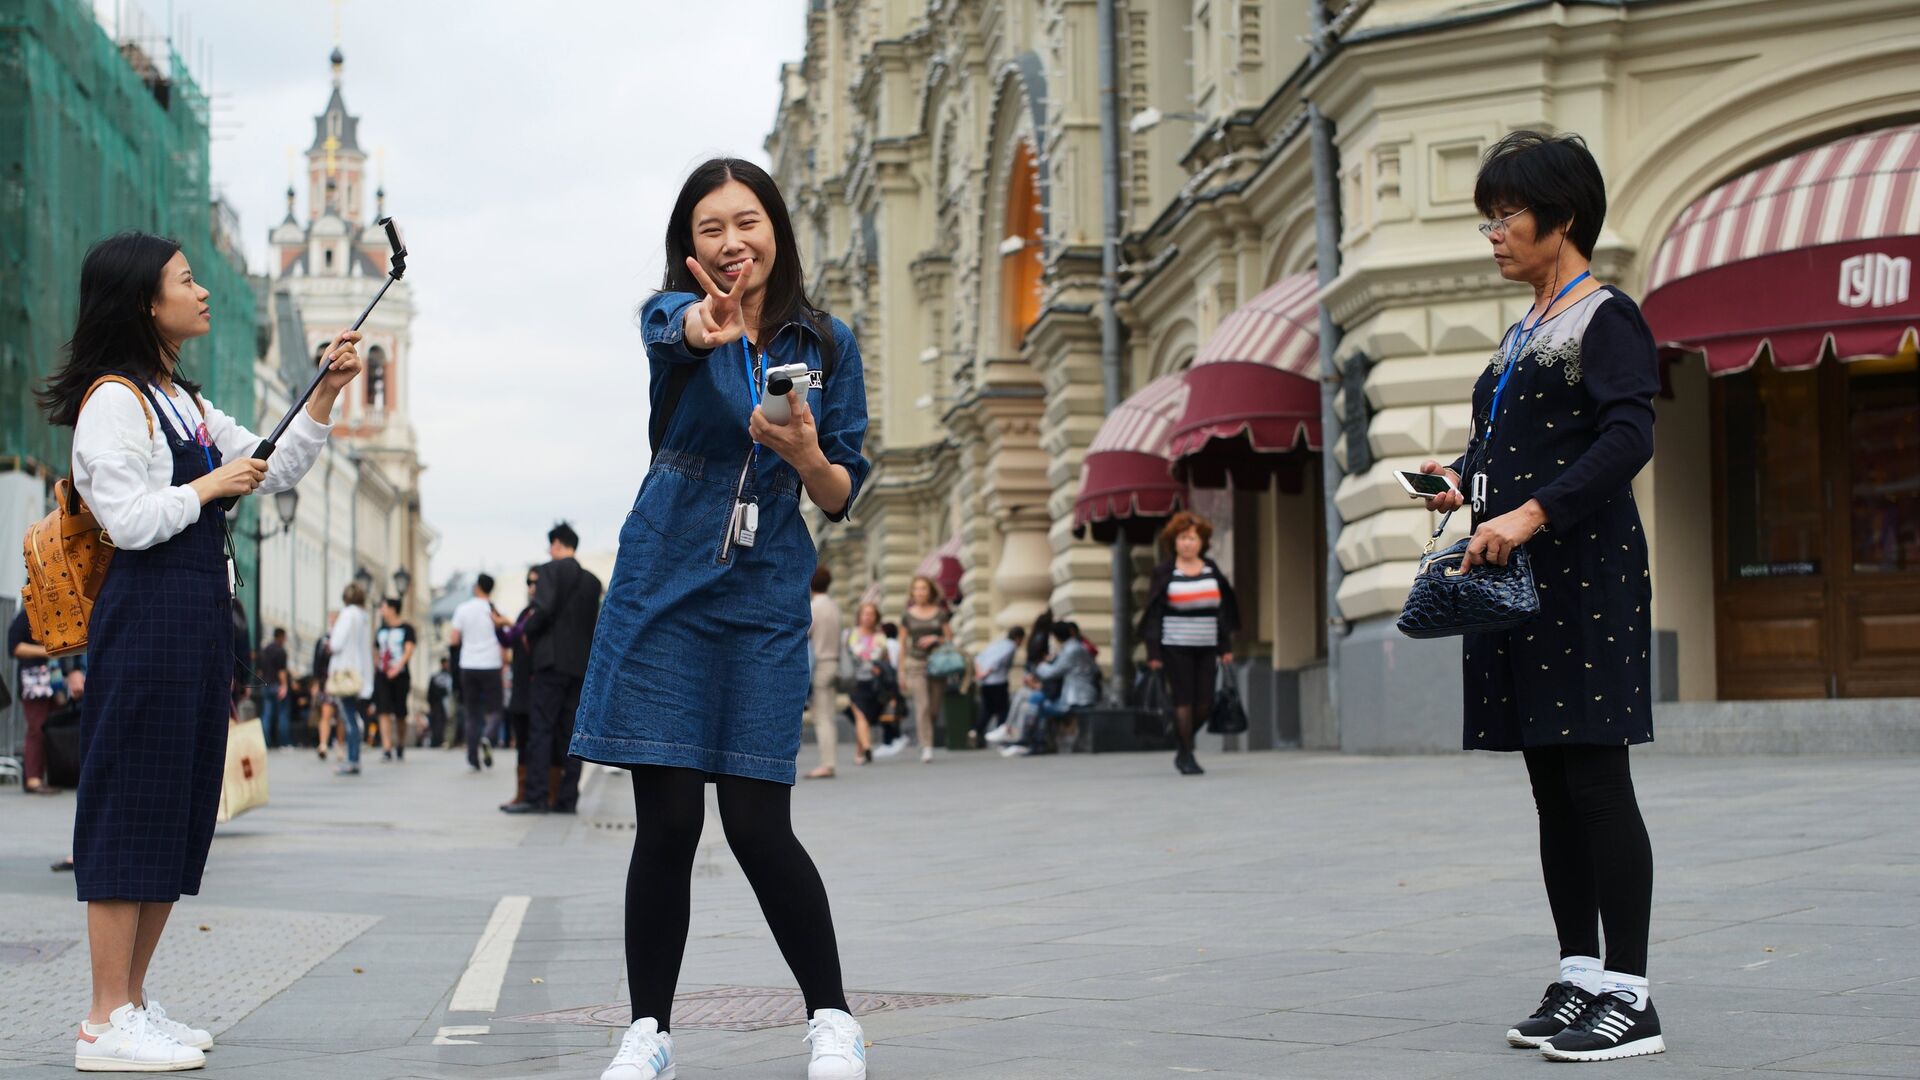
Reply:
x=446, y=1035
x=479, y=989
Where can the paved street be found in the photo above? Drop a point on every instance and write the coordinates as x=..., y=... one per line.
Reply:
x=1289, y=915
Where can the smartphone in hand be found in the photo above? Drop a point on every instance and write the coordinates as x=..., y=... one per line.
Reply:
x=1419, y=485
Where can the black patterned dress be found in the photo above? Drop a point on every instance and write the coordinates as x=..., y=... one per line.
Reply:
x=1575, y=426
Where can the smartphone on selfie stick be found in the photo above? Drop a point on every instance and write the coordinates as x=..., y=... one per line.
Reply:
x=397, y=268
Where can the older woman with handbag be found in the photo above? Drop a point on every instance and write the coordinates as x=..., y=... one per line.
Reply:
x=349, y=670
x=1563, y=421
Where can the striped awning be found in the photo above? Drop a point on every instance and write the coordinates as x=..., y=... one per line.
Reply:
x=942, y=565
x=1808, y=256
x=1126, y=479
x=1253, y=396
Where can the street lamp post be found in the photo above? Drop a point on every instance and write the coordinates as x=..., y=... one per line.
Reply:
x=287, y=505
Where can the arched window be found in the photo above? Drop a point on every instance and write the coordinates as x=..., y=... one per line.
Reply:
x=377, y=379
x=1021, y=261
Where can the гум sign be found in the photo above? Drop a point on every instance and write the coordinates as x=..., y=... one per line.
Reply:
x=1875, y=280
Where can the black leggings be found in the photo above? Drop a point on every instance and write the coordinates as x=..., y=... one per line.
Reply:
x=1191, y=673
x=1594, y=852
x=671, y=806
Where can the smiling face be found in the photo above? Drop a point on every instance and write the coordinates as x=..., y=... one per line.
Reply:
x=179, y=304
x=1519, y=251
x=729, y=227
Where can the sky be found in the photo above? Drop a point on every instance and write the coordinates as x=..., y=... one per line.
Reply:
x=531, y=153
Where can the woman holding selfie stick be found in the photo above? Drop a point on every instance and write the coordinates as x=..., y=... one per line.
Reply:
x=699, y=664
x=1563, y=420
x=152, y=461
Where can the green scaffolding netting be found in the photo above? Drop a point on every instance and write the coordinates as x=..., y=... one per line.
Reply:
x=95, y=138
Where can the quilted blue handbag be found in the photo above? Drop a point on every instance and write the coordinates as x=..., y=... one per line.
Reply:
x=1448, y=598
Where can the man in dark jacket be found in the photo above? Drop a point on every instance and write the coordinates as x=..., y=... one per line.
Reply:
x=566, y=605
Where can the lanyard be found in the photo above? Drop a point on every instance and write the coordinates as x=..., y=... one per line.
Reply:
x=1521, y=336
x=199, y=435
x=753, y=389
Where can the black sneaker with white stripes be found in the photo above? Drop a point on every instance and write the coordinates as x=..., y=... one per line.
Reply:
x=1562, y=1005
x=1609, y=1029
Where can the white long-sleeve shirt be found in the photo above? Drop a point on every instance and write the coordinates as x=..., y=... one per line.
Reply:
x=351, y=645
x=126, y=475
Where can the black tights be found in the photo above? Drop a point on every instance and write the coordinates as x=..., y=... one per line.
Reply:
x=671, y=806
x=1594, y=852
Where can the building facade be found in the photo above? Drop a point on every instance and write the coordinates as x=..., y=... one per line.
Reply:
x=1306, y=307
x=359, y=517
x=102, y=129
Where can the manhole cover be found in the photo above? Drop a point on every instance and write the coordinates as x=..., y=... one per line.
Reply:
x=736, y=1008
x=32, y=952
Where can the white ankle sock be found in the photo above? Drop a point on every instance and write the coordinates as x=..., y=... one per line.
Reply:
x=95, y=1030
x=1582, y=971
x=1631, y=989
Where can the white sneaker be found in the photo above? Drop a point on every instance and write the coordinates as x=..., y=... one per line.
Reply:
x=646, y=1053
x=1015, y=750
x=839, y=1047
x=999, y=734
x=132, y=1044
x=926, y=754
x=889, y=749
x=175, y=1030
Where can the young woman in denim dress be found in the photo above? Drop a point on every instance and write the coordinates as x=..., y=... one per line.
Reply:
x=699, y=669
x=153, y=465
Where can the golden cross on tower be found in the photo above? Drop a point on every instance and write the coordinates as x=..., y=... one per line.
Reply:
x=336, y=20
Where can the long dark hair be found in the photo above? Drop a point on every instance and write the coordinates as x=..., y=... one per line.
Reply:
x=786, y=298
x=115, y=330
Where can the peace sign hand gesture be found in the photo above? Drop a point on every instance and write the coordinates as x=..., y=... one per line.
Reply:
x=716, y=319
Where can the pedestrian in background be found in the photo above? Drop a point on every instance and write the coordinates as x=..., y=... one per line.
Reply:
x=394, y=643
x=474, y=632
x=925, y=625
x=439, y=694
x=276, y=691
x=350, y=669
x=893, y=705
x=325, y=711
x=874, y=681
x=566, y=607
x=33, y=684
x=519, y=656
x=151, y=461
x=993, y=669
x=824, y=638
x=1188, y=627
x=1571, y=392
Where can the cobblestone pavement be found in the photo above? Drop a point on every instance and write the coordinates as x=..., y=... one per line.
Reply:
x=1287, y=915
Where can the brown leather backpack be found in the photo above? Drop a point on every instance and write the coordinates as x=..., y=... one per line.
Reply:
x=67, y=558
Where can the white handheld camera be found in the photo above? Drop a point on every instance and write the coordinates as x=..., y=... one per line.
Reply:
x=780, y=382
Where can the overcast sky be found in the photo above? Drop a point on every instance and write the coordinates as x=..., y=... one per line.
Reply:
x=532, y=152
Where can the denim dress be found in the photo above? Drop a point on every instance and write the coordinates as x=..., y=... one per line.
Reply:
x=700, y=658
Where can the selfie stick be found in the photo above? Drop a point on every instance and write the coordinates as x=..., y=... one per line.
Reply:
x=398, y=268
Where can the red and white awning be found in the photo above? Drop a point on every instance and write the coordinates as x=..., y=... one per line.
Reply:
x=942, y=566
x=1253, y=395
x=1126, y=479
x=1809, y=255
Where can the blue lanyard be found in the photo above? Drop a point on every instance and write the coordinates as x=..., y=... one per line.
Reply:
x=193, y=432
x=1521, y=336
x=753, y=389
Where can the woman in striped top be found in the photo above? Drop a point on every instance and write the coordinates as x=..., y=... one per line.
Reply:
x=1190, y=619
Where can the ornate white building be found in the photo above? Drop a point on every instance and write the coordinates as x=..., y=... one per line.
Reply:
x=359, y=515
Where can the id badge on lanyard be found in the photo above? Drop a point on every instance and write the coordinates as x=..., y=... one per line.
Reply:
x=1477, y=485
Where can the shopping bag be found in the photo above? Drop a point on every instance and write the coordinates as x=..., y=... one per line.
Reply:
x=245, y=785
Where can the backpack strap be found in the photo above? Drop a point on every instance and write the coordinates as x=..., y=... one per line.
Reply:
x=139, y=394
x=679, y=375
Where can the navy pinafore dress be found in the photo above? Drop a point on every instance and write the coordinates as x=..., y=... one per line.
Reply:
x=153, y=723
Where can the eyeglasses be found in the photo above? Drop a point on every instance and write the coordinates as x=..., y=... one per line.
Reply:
x=1499, y=225
x=531, y=582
